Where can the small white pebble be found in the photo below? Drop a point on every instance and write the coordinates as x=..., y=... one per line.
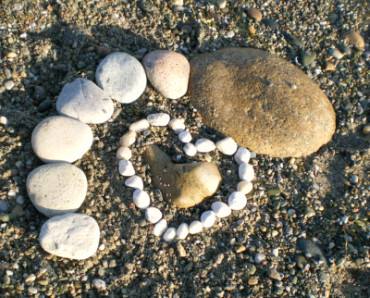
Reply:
x=99, y=284
x=153, y=214
x=169, y=234
x=141, y=198
x=182, y=231
x=135, y=182
x=246, y=172
x=126, y=168
x=190, y=149
x=208, y=218
x=245, y=187
x=259, y=257
x=160, y=227
x=237, y=200
x=139, y=126
x=9, y=85
x=128, y=139
x=158, y=119
x=3, y=120
x=227, y=146
x=242, y=155
x=195, y=227
x=204, y=145
x=177, y=125
x=185, y=136
x=221, y=209
x=124, y=153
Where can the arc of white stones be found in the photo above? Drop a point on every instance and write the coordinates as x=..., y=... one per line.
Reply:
x=236, y=200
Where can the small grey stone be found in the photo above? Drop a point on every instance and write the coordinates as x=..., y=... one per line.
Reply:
x=99, y=284
x=4, y=206
x=258, y=258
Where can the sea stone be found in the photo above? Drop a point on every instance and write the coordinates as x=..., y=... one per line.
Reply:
x=57, y=188
x=262, y=101
x=168, y=72
x=186, y=185
x=60, y=138
x=83, y=100
x=71, y=235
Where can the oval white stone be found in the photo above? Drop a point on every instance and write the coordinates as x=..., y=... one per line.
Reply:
x=208, y=218
x=141, y=198
x=221, y=209
x=190, y=149
x=135, y=182
x=195, y=227
x=121, y=76
x=160, y=227
x=245, y=187
x=124, y=153
x=57, y=188
x=227, y=146
x=246, y=172
x=60, y=138
x=177, y=125
x=242, y=155
x=139, y=125
x=84, y=101
x=128, y=139
x=169, y=234
x=237, y=200
x=185, y=136
x=71, y=235
x=204, y=145
x=158, y=119
x=182, y=231
x=153, y=214
x=126, y=168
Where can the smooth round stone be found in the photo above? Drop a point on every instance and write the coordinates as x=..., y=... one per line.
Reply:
x=135, y=182
x=57, y=188
x=126, y=168
x=71, y=235
x=141, y=199
x=204, y=145
x=124, y=153
x=242, y=155
x=195, y=227
x=208, y=218
x=139, y=125
x=221, y=209
x=128, y=139
x=84, y=101
x=169, y=235
x=227, y=146
x=121, y=76
x=237, y=200
x=182, y=231
x=190, y=149
x=160, y=227
x=153, y=214
x=185, y=136
x=60, y=138
x=177, y=125
x=168, y=72
x=244, y=187
x=158, y=119
x=246, y=172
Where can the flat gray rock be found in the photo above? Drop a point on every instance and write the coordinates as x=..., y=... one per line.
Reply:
x=71, y=235
x=60, y=138
x=85, y=101
x=121, y=76
x=57, y=188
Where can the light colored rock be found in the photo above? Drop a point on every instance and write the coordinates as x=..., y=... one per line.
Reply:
x=254, y=13
x=71, y=235
x=124, y=153
x=158, y=119
x=139, y=125
x=57, y=188
x=208, y=218
x=153, y=214
x=126, y=168
x=128, y=139
x=204, y=145
x=244, y=187
x=168, y=72
x=237, y=200
x=99, y=284
x=141, y=198
x=227, y=146
x=121, y=76
x=182, y=231
x=160, y=227
x=355, y=39
x=84, y=101
x=221, y=209
x=177, y=125
x=185, y=136
x=246, y=172
x=195, y=227
x=242, y=155
x=190, y=149
x=135, y=182
x=169, y=235
x=60, y=138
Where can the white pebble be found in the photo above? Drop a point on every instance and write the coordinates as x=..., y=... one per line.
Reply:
x=221, y=209
x=158, y=119
x=123, y=153
x=128, y=139
x=244, y=187
x=246, y=172
x=185, y=136
x=237, y=200
x=177, y=125
x=134, y=182
x=208, y=218
x=190, y=149
x=139, y=125
x=153, y=214
x=126, y=168
x=169, y=235
x=227, y=146
x=195, y=227
x=141, y=198
x=160, y=227
x=182, y=231
x=243, y=155
x=3, y=120
x=204, y=145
